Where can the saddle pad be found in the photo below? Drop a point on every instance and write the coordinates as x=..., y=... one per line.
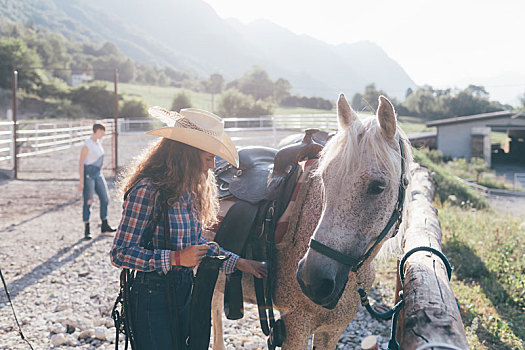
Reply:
x=282, y=224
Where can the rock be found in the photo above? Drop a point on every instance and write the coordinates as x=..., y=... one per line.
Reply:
x=84, y=323
x=57, y=328
x=100, y=333
x=61, y=307
x=58, y=339
x=88, y=333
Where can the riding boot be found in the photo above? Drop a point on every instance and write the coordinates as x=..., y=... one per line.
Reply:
x=106, y=228
x=86, y=231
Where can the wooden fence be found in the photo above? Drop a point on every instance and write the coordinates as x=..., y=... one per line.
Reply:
x=430, y=313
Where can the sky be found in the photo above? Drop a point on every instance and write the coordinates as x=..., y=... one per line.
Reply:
x=446, y=43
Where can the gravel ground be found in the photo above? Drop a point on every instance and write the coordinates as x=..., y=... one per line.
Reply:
x=63, y=287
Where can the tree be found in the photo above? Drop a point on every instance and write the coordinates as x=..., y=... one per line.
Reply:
x=109, y=49
x=281, y=90
x=180, y=101
x=134, y=109
x=215, y=84
x=408, y=92
x=522, y=101
x=236, y=104
x=126, y=71
x=357, y=102
x=477, y=90
x=15, y=53
x=256, y=83
x=94, y=99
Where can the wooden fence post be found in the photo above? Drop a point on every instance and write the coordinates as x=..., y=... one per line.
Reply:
x=430, y=312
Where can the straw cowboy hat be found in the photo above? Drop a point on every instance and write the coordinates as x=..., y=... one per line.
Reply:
x=198, y=128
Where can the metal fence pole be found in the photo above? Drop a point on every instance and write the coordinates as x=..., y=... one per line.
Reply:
x=274, y=130
x=12, y=146
x=115, y=124
x=15, y=153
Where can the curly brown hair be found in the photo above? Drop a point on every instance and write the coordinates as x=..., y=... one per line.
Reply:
x=176, y=169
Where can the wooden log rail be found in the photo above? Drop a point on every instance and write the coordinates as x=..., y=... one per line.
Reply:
x=430, y=313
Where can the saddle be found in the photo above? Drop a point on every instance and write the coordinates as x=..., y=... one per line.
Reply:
x=253, y=198
x=266, y=178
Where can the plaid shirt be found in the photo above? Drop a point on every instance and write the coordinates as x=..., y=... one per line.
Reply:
x=137, y=214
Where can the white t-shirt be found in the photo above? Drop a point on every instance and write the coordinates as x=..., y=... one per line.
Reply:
x=95, y=151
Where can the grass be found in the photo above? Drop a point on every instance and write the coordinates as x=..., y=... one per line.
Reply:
x=413, y=124
x=448, y=187
x=163, y=96
x=487, y=251
x=460, y=167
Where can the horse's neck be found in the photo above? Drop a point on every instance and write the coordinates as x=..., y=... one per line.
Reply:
x=304, y=220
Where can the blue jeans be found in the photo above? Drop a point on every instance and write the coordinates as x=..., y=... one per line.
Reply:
x=94, y=182
x=150, y=309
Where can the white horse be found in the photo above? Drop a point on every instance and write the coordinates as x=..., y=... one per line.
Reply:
x=347, y=205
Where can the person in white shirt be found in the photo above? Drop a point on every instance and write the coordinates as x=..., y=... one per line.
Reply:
x=92, y=180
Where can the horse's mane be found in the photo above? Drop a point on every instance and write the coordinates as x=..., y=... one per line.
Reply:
x=365, y=134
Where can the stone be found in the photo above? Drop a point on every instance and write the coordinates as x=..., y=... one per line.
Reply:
x=100, y=333
x=88, y=333
x=58, y=339
x=57, y=328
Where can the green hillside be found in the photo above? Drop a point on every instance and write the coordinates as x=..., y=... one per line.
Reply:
x=163, y=96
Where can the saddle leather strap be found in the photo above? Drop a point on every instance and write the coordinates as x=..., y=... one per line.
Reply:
x=171, y=296
x=201, y=298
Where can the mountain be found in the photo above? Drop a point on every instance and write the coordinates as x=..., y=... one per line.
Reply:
x=189, y=35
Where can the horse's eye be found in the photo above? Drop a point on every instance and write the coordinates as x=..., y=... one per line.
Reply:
x=376, y=187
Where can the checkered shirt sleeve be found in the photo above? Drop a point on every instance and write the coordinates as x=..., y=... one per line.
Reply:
x=229, y=264
x=136, y=214
x=185, y=230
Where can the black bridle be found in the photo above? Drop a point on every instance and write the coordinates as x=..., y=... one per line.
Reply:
x=395, y=218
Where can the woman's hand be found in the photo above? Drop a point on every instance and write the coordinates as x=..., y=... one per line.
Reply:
x=256, y=268
x=190, y=256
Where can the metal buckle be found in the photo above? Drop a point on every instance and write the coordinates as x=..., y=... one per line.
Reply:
x=224, y=186
x=218, y=248
x=404, y=181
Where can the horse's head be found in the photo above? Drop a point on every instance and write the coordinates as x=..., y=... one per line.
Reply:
x=361, y=173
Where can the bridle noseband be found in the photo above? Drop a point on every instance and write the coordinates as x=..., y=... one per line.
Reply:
x=395, y=218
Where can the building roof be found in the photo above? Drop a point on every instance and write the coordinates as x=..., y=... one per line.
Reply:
x=475, y=117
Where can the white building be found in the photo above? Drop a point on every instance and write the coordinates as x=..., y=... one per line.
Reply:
x=469, y=136
x=77, y=78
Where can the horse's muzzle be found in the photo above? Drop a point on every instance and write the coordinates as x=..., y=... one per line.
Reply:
x=322, y=284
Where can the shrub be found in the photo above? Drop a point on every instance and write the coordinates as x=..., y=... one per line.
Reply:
x=134, y=109
x=236, y=104
x=447, y=185
x=94, y=99
x=180, y=101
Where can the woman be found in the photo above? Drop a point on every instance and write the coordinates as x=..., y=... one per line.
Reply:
x=92, y=180
x=177, y=168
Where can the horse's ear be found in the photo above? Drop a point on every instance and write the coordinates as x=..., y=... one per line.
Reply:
x=387, y=117
x=344, y=112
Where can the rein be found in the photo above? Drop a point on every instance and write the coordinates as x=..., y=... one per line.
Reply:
x=395, y=219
